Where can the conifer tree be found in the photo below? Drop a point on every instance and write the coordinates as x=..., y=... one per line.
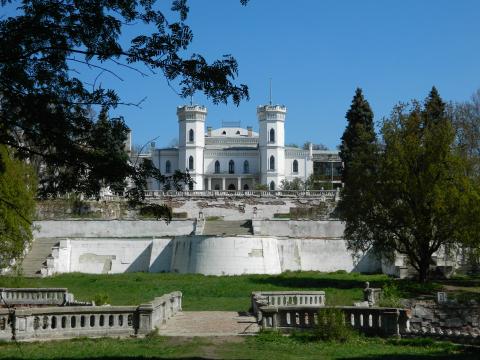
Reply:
x=359, y=155
x=418, y=198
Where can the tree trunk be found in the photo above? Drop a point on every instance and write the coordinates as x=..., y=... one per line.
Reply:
x=423, y=268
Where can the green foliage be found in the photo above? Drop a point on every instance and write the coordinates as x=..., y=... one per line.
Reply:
x=414, y=196
x=101, y=299
x=17, y=206
x=295, y=184
x=390, y=296
x=61, y=123
x=180, y=215
x=332, y=326
x=213, y=218
x=281, y=216
x=156, y=211
x=263, y=187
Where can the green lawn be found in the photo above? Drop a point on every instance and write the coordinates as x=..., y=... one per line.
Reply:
x=201, y=292
x=231, y=293
x=264, y=346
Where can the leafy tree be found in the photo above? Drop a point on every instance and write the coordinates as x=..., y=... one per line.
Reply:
x=466, y=121
x=17, y=207
x=306, y=146
x=295, y=184
x=420, y=199
x=46, y=108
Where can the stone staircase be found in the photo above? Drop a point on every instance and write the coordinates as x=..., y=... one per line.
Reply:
x=36, y=257
x=220, y=227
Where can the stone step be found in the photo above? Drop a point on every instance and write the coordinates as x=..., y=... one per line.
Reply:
x=220, y=227
x=209, y=323
x=41, y=248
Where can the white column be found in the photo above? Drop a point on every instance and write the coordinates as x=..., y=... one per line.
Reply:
x=239, y=183
x=223, y=184
x=209, y=183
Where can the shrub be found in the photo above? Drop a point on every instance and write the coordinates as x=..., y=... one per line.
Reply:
x=390, y=296
x=180, y=215
x=101, y=299
x=332, y=327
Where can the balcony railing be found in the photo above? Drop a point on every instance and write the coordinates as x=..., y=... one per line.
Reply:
x=323, y=194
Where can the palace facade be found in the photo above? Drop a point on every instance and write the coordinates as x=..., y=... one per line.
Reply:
x=236, y=158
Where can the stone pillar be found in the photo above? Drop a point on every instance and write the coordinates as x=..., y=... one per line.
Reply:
x=145, y=321
x=209, y=183
x=239, y=183
x=223, y=184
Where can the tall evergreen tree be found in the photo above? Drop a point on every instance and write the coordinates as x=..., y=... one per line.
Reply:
x=359, y=154
x=420, y=198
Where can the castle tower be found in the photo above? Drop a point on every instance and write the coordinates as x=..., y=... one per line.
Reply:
x=271, y=120
x=191, y=141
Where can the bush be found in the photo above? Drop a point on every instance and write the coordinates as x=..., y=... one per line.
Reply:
x=180, y=215
x=390, y=296
x=332, y=327
x=101, y=299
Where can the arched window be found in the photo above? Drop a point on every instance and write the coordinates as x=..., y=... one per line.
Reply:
x=295, y=166
x=272, y=162
x=272, y=135
x=168, y=167
x=238, y=132
x=191, y=135
x=190, y=163
x=245, y=187
x=246, y=167
x=217, y=167
x=231, y=167
x=217, y=187
x=272, y=186
x=231, y=187
x=224, y=132
x=190, y=185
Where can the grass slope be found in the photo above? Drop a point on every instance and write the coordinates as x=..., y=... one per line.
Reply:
x=201, y=292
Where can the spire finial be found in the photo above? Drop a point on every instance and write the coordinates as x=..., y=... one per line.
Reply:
x=270, y=91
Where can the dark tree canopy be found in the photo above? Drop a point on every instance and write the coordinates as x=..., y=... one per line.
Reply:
x=359, y=154
x=418, y=198
x=48, y=113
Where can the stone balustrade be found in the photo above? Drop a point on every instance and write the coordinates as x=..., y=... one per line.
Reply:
x=324, y=194
x=367, y=320
x=34, y=297
x=286, y=299
x=158, y=311
x=27, y=323
x=5, y=328
x=68, y=322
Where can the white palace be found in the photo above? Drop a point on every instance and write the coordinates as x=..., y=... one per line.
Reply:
x=234, y=158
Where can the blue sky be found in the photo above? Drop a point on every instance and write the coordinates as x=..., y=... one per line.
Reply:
x=317, y=52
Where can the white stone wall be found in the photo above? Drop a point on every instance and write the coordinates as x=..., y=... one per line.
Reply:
x=234, y=255
x=209, y=255
x=110, y=228
x=329, y=229
x=130, y=246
